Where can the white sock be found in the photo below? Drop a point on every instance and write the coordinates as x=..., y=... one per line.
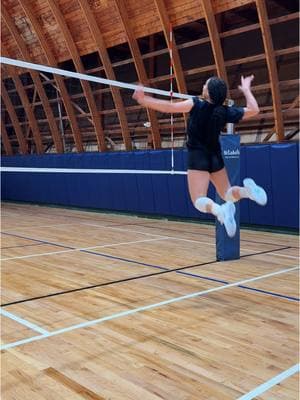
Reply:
x=243, y=192
x=202, y=202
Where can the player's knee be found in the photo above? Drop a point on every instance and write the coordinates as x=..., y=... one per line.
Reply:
x=232, y=194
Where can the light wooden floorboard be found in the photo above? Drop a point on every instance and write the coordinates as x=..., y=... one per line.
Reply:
x=212, y=347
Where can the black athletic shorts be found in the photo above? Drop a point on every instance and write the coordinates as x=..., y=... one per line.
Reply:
x=203, y=160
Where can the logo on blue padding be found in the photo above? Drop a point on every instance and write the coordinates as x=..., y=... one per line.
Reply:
x=231, y=153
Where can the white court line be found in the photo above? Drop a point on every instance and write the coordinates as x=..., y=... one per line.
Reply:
x=149, y=234
x=178, y=238
x=130, y=231
x=285, y=255
x=270, y=383
x=82, y=249
x=38, y=226
x=23, y=322
x=139, y=309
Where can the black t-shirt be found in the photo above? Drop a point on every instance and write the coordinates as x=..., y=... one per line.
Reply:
x=198, y=132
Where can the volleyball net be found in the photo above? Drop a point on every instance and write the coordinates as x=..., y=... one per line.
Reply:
x=49, y=109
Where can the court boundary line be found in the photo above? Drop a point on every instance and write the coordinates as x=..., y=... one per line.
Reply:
x=270, y=383
x=133, y=216
x=142, y=233
x=143, y=308
x=165, y=271
x=107, y=283
x=195, y=233
x=114, y=214
x=21, y=245
x=83, y=249
x=178, y=238
x=24, y=322
x=39, y=226
x=36, y=240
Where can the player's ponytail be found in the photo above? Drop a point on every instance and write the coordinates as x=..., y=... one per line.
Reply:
x=217, y=91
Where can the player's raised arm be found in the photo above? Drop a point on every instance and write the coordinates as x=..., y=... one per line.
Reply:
x=251, y=108
x=163, y=106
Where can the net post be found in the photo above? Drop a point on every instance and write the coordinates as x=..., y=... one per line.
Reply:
x=229, y=248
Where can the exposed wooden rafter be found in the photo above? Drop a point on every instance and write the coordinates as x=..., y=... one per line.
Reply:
x=272, y=68
x=36, y=80
x=5, y=140
x=106, y=16
x=215, y=39
x=166, y=24
x=294, y=104
x=59, y=80
x=140, y=68
x=36, y=134
x=96, y=33
x=14, y=120
x=79, y=67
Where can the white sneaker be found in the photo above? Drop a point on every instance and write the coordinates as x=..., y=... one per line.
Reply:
x=226, y=217
x=256, y=193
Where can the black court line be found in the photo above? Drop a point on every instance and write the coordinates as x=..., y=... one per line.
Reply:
x=244, y=287
x=133, y=261
x=39, y=241
x=165, y=271
x=194, y=233
x=24, y=245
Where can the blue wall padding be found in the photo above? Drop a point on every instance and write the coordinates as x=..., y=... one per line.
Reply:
x=285, y=194
x=273, y=166
x=144, y=183
x=244, y=205
x=177, y=188
x=259, y=167
x=158, y=162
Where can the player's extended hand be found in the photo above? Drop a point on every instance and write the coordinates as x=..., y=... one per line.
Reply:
x=139, y=94
x=246, y=83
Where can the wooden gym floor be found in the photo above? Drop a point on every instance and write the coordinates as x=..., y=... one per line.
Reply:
x=103, y=306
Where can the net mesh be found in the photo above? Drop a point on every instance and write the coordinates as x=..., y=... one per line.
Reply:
x=39, y=100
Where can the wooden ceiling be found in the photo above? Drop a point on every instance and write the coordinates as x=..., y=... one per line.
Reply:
x=129, y=39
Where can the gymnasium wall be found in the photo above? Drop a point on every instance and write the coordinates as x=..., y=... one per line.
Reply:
x=274, y=166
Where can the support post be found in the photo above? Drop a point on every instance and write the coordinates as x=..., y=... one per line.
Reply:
x=229, y=248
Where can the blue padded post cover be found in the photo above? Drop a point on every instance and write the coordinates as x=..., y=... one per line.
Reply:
x=229, y=248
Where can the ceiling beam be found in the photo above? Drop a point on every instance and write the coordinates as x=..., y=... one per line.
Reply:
x=215, y=40
x=36, y=81
x=14, y=120
x=79, y=67
x=294, y=104
x=27, y=7
x=140, y=68
x=5, y=139
x=110, y=74
x=26, y=104
x=166, y=26
x=272, y=68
